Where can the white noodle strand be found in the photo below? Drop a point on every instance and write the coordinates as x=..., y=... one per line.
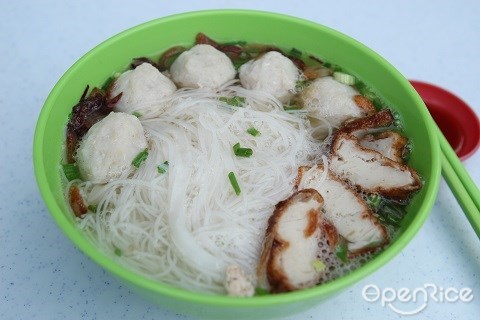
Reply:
x=185, y=226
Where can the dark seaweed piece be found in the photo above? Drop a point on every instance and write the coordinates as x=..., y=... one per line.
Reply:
x=141, y=60
x=84, y=94
x=233, y=52
x=240, y=53
x=258, y=50
x=315, y=59
x=88, y=111
x=297, y=62
x=201, y=38
x=169, y=56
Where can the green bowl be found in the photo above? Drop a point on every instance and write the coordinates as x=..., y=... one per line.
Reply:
x=156, y=36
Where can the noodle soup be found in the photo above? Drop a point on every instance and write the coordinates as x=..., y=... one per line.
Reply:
x=188, y=169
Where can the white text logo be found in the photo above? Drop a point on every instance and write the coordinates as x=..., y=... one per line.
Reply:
x=415, y=300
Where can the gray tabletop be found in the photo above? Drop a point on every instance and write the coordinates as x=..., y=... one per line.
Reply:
x=43, y=276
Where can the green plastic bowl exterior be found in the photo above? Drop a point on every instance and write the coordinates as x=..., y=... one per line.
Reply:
x=156, y=36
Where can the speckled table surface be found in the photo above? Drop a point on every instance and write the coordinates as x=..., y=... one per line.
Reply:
x=43, y=276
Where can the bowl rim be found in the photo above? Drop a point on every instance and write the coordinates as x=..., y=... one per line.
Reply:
x=145, y=283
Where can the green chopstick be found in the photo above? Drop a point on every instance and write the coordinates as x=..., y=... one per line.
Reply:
x=460, y=182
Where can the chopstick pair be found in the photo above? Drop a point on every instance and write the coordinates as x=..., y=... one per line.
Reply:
x=460, y=182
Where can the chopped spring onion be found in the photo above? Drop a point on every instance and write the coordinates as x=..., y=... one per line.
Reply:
x=162, y=168
x=142, y=156
x=367, y=93
x=242, y=152
x=342, y=252
x=377, y=103
x=71, y=171
x=137, y=114
x=360, y=86
x=289, y=108
x=374, y=201
x=235, y=43
x=235, y=101
x=117, y=252
x=92, y=208
x=108, y=82
x=296, y=53
x=390, y=214
x=318, y=265
x=407, y=152
x=294, y=109
x=344, y=78
x=234, y=182
x=260, y=292
x=224, y=99
x=236, y=146
x=337, y=68
x=372, y=244
x=254, y=132
x=301, y=84
x=238, y=63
